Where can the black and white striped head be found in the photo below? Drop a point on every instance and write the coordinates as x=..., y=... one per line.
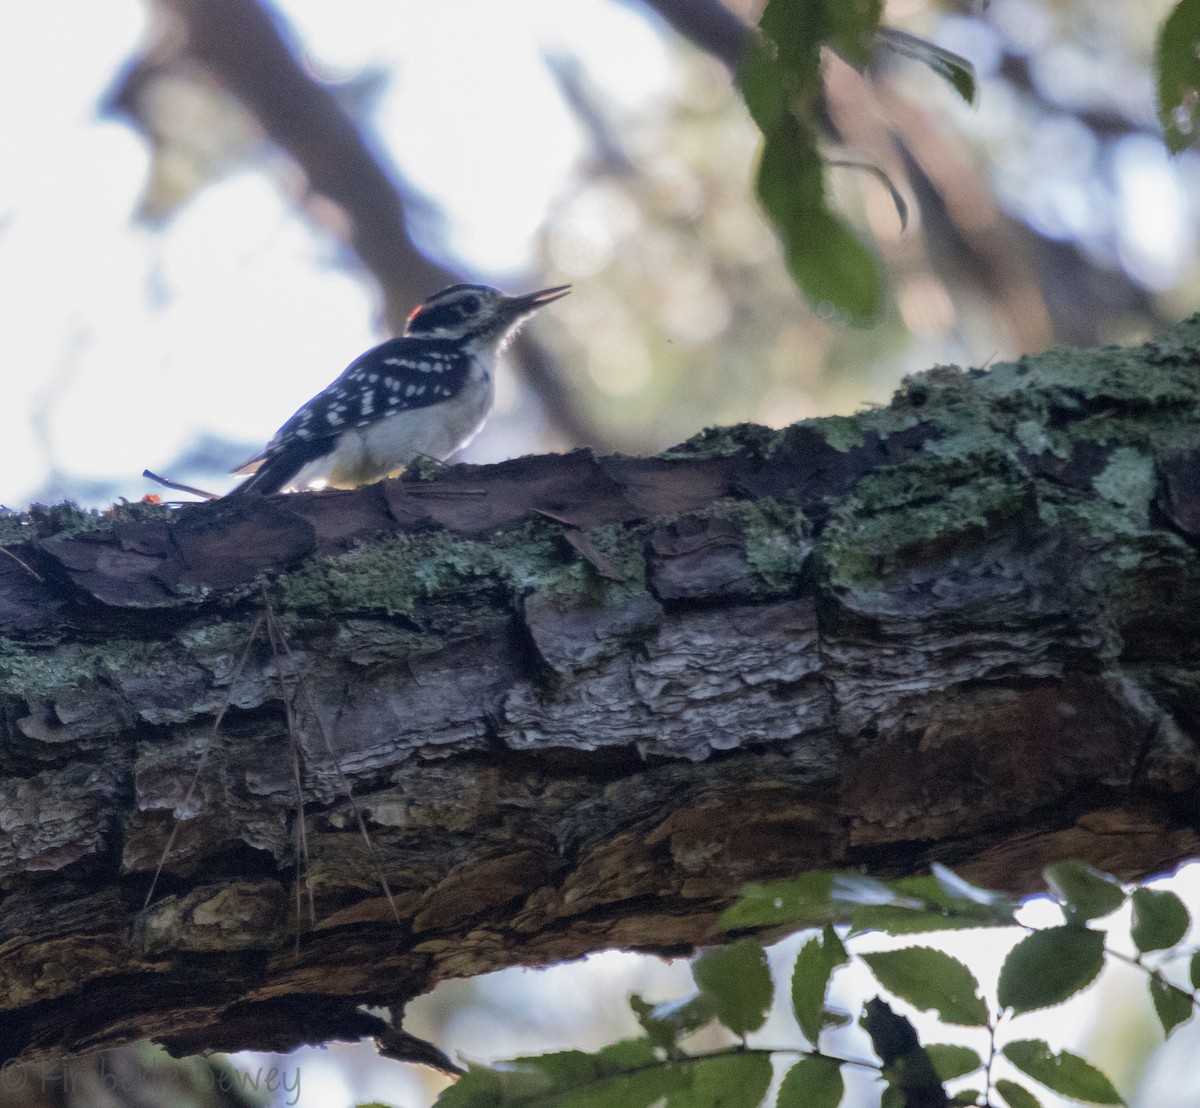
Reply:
x=476, y=312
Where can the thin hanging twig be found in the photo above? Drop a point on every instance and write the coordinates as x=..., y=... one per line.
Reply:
x=342, y=781
x=281, y=649
x=303, y=867
x=187, y=800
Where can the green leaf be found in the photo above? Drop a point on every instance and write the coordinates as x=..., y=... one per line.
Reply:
x=813, y=1082
x=794, y=30
x=800, y=27
x=837, y=271
x=853, y=27
x=951, y=67
x=608, y=1079
x=627, y=1068
x=1177, y=61
x=738, y=981
x=901, y=921
x=814, y=898
x=665, y=1024
x=625, y=1074
x=1160, y=919
x=624, y=1054
x=1016, y=1096
x=827, y=260
x=815, y=963
x=718, y=1081
x=1086, y=893
x=766, y=88
x=951, y=1060
x=965, y=1097
x=485, y=1087
x=929, y=978
x=939, y=902
x=639, y=1089
x=1050, y=966
x=1064, y=1073
x=1172, y=1005
x=1194, y=970
x=780, y=78
x=805, y=900
x=910, y=921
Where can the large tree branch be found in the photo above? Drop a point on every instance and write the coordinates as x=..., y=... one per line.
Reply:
x=582, y=700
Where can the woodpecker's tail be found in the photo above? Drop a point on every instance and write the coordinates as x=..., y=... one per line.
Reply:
x=276, y=469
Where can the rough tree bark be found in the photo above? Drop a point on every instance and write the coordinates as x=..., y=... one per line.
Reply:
x=581, y=700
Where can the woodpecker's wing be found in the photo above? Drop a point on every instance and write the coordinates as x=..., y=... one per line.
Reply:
x=250, y=465
x=396, y=376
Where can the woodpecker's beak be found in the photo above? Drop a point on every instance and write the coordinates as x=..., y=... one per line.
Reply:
x=519, y=305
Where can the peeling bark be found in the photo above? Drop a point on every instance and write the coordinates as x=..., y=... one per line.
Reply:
x=582, y=700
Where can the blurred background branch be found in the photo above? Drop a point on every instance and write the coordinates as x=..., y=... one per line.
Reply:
x=707, y=24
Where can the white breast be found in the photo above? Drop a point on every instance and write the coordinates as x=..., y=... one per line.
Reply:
x=383, y=448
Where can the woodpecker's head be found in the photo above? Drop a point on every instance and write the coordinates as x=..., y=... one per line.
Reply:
x=477, y=314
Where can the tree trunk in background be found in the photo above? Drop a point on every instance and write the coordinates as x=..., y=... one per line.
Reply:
x=580, y=701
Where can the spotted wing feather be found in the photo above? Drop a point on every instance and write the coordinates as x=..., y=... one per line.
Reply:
x=397, y=376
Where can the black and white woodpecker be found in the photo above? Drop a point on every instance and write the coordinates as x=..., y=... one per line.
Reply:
x=427, y=392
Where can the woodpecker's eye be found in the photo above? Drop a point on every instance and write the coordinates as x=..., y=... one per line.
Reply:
x=469, y=306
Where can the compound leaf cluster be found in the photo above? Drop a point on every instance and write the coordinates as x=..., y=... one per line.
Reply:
x=735, y=991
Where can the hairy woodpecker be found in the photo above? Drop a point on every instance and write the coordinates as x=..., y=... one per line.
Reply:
x=427, y=392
